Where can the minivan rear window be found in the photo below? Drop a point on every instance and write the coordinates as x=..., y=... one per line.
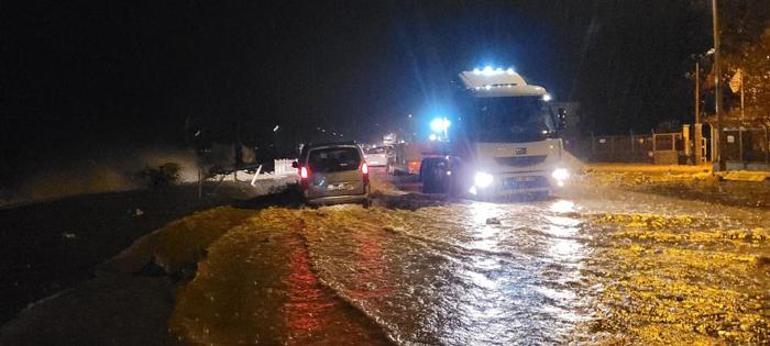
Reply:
x=334, y=159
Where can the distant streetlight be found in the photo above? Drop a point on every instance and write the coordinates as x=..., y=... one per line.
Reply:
x=441, y=125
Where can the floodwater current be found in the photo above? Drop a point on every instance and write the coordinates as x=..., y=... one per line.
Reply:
x=473, y=273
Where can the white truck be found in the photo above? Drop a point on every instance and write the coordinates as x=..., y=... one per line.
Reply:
x=503, y=139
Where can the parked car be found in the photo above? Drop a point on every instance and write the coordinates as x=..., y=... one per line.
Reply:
x=333, y=173
x=376, y=156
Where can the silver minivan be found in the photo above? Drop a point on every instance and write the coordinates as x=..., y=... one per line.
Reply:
x=333, y=173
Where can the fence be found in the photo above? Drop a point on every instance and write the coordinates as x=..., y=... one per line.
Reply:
x=283, y=167
x=667, y=148
x=630, y=148
x=750, y=145
x=662, y=148
x=744, y=148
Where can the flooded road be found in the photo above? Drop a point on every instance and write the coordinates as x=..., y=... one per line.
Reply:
x=591, y=267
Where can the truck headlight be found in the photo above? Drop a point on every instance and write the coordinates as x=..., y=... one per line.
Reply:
x=560, y=174
x=483, y=179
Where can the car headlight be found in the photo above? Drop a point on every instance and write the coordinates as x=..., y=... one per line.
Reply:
x=483, y=179
x=560, y=174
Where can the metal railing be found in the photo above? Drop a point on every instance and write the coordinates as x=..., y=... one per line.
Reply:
x=620, y=148
x=662, y=148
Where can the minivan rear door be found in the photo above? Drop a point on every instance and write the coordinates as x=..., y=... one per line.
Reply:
x=335, y=170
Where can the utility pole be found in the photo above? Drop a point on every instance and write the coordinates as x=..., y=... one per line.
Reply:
x=740, y=124
x=697, y=91
x=697, y=128
x=717, y=90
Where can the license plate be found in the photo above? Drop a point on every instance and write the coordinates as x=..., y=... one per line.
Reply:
x=338, y=187
x=524, y=178
x=520, y=151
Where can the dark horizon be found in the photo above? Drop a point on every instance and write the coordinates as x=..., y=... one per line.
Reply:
x=86, y=75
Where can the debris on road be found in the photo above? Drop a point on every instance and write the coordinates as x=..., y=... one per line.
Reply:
x=744, y=175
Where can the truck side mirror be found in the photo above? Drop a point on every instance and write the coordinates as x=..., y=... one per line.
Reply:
x=562, y=118
x=294, y=164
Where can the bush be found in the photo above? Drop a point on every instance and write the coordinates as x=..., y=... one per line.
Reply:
x=162, y=176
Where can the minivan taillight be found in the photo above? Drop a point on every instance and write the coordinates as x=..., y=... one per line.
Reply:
x=365, y=171
x=304, y=173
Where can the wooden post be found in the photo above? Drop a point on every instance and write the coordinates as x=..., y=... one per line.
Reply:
x=697, y=92
x=698, y=142
x=200, y=183
x=740, y=126
x=740, y=144
x=767, y=145
x=686, y=141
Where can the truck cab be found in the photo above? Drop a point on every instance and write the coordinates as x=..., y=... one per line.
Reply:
x=504, y=141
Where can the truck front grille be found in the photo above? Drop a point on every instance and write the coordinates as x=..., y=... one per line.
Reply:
x=520, y=161
x=525, y=182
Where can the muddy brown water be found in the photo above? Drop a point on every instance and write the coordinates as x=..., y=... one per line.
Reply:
x=548, y=272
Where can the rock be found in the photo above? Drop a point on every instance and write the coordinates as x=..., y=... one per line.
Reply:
x=493, y=221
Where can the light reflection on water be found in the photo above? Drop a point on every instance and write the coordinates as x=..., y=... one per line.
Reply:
x=481, y=211
x=562, y=206
x=565, y=248
x=451, y=275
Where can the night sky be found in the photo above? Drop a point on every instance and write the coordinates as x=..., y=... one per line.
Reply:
x=78, y=75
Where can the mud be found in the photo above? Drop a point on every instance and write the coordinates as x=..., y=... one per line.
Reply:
x=555, y=271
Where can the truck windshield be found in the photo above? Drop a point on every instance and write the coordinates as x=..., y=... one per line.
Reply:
x=510, y=119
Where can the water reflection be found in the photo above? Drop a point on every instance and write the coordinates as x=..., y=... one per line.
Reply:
x=306, y=307
x=566, y=248
x=477, y=273
x=484, y=235
x=562, y=206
